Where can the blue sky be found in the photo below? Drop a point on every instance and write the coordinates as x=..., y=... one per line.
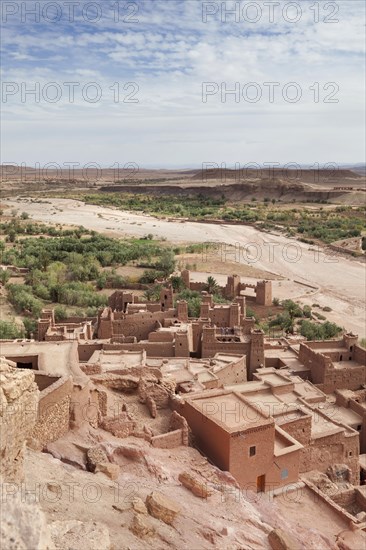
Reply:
x=162, y=52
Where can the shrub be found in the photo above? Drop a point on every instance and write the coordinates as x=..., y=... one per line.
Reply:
x=10, y=331
x=60, y=313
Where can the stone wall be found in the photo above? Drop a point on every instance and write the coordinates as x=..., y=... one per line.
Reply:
x=18, y=413
x=53, y=411
x=168, y=440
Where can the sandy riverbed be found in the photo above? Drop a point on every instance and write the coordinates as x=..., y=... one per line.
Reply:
x=338, y=282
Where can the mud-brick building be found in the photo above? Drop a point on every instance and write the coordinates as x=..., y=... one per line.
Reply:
x=335, y=364
x=241, y=439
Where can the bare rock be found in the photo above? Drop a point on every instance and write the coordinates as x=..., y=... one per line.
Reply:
x=139, y=506
x=78, y=535
x=361, y=516
x=162, y=507
x=110, y=470
x=151, y=405
x=23, y=526
x=128, y=451
x=194, y=485
x=141, y=526
x=94, y=456
x=280, y=540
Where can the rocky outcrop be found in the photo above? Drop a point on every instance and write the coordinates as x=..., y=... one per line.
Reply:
x=110, y=470
x=78, y=535
x=162, y=507
x=141, y=526
x=280, y=540
x=95, y=456
x=151, y=405
x=194, y=485
x=23, y=525
x=18, y=414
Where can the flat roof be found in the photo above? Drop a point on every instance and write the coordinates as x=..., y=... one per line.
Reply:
x=54, y=358
x=230, y=411
x=345, y=415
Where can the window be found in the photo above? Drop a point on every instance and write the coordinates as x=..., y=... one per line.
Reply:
x=252, y=451
x=284, y=474
x=350, y=453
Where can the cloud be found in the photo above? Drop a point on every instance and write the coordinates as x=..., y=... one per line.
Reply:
x=168, y=55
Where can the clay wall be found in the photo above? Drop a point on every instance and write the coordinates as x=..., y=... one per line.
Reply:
x=85, y=351
x=351, y=378
x=299, y=429
x=246, y=468
x=234, y=373
x=359, y=355
x=211, y=439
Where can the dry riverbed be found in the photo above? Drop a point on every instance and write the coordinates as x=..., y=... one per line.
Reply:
x=311, y=275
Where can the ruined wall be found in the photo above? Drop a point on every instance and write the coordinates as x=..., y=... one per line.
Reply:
x=53, y=412
x=84, y=406
x=324, y=452
x=168, y=440
x=18, y=413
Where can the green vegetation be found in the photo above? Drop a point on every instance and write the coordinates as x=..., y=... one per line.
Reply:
x=10, y=331
x=325, y=225
x=195, y=206
x=68, y=267
x=315, y=331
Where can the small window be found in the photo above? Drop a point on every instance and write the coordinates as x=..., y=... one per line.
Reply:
x=350, y=453
x=284, y=474
x=252, y=451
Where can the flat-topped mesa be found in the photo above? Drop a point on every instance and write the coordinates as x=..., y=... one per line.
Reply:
x=18, y=413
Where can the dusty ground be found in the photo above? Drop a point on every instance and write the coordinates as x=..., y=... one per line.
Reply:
x=338, y=281
x=229, y=519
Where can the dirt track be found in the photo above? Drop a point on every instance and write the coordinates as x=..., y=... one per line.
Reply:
x=334, y=281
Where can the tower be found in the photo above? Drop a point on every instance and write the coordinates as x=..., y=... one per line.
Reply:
x=256, y=351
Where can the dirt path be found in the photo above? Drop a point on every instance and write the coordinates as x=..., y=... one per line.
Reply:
x=340, y=282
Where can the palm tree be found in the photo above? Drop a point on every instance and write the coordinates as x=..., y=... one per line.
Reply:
x=212, y=286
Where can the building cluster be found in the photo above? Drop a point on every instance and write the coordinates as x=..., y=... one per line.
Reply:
x=269, y=411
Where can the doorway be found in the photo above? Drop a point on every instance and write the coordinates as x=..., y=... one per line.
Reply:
x=261, y=484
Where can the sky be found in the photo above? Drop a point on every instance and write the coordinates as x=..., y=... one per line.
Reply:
x=149, y=82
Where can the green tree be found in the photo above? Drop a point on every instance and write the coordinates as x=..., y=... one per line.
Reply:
x=212, y=286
